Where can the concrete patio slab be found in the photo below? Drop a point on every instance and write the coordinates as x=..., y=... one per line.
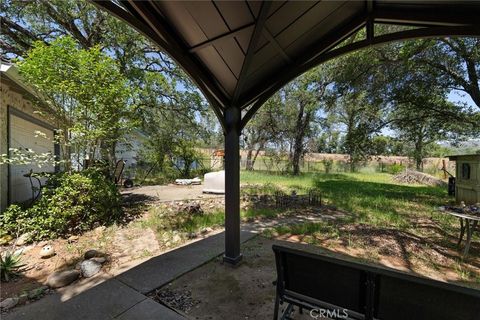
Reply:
x=104, y=301
x=162, y=269
x=123, y=297
x=150, y=310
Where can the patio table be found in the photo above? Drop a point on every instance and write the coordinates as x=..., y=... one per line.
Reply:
x=468, y=223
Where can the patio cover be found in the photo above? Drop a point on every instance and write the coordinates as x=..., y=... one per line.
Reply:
x=239, y=53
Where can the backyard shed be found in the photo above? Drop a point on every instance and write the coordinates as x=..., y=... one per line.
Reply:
x=23, y=129
x=467, y=182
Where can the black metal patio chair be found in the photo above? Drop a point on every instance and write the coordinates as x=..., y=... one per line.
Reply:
x=340, y=289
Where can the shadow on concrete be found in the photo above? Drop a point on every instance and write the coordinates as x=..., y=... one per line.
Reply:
x=122, y=297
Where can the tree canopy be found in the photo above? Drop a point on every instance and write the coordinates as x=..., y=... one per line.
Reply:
x=104, y=77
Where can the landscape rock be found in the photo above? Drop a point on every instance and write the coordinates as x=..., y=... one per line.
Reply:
x=47, y=251
x=72, y=239
x=178, y=299
x=8, y=303
x=92, y=253
x=100, y=260
x=99, y=230
x=23, y=239
x=89, y=268
x=42, y=243
x=60, y=279
x=192, y=235
x=22, y=298
x=206, y=230
x=5, y=239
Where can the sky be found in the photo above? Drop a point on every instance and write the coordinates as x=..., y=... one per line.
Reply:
x=456, y=96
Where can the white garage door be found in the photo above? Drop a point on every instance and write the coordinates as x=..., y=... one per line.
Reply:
x=22, y=136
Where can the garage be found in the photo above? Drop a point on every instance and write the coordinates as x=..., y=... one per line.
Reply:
x=27, y=134
x=22, y=128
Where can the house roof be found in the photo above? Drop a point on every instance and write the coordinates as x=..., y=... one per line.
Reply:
x=9, y=71
x=458, y=156
x=241, y=52
x=10, y=75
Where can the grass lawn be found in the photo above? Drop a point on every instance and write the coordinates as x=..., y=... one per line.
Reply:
x=394, y=224
x=373, y=198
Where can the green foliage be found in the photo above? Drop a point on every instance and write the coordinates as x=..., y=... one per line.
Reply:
x=71, y=203
x=396, y=168
x=328, y=165
x=372, y=198
x=370, y=90
x=68, y=79
x=183, y=155
x=195, y=223
x=10, y=264
x=175, y=122
x=260, y=189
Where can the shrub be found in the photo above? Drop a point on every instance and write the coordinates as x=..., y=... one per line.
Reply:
x=13, y=220
x=328, y=165
x=396, y=168
x=71, y=203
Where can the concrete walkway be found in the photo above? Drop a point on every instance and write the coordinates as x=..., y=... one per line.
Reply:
x=123, y=297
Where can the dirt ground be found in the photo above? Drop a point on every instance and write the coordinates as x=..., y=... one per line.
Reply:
x=124, y=246
x=218, y=291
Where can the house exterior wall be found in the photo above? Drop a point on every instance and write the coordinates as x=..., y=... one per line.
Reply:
x=3, y=147
x=11, y=96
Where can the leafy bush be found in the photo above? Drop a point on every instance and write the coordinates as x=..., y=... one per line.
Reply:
x=71, y=203
x=328, y=165
x=396, y=168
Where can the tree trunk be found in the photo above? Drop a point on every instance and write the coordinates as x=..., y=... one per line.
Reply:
x=297, y=152
x=303, y=120
x=249, y=165
x=256, y=155
x=352, y=164
x=418, y=154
